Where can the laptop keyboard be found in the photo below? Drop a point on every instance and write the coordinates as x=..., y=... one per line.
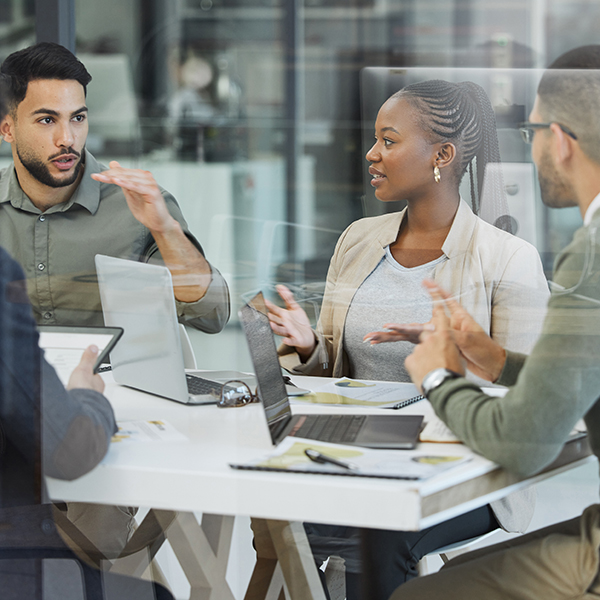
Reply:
x=331, y=428
x=197, y=386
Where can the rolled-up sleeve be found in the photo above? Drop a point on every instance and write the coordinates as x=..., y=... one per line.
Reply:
x=211, y=313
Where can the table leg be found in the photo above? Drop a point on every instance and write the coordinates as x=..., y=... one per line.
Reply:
x=141, y=549
x=203, y=553
x=202, y=550
x=283, y=544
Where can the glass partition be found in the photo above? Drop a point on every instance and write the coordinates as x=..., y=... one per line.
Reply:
x=250, y=112
x=257, y=116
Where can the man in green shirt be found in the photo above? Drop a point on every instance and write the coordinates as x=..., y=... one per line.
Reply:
x=59, y=207
x=553, y=387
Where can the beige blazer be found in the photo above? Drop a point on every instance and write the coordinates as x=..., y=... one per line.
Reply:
x=496, y=276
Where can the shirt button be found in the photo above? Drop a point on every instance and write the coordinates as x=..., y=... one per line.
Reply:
x=42, y=218
x=41, y=267
x=47, y=315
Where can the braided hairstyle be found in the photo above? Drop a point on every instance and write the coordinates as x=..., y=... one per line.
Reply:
x=461, y=113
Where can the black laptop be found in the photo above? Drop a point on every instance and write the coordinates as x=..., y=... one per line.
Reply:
x=373, y=431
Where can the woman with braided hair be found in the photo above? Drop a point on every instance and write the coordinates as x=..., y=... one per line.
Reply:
x=427, y=137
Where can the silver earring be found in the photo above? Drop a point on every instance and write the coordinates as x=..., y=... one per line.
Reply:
x=436, y=174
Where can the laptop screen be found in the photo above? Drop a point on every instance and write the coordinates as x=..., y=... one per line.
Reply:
x=261, y=343
x=139, y=298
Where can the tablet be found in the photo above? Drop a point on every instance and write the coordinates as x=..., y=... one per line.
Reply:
x=64, y=346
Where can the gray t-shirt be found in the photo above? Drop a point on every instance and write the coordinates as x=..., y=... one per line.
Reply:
x=390, y=294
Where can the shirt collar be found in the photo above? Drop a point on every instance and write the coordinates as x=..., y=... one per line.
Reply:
x=591, y=209
x=462, y=229
x=87, y=194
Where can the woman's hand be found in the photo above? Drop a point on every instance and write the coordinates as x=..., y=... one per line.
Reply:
x=292, y=324
x=396, y=332
x=437, y=350
x=485, y=358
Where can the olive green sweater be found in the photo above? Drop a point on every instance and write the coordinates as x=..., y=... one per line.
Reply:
x=553, y=387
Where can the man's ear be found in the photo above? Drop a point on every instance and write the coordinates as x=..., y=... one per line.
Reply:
x=563, y=145
x=445, y=155
x=7, y=126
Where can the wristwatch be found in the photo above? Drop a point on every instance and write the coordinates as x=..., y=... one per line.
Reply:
x=435, y=378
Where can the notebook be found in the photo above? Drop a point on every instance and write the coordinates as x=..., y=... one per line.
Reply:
x=373, y=431
x=139, y=298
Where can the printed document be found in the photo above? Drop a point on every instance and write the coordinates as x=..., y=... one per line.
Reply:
x=290, y=456
x=352, y=392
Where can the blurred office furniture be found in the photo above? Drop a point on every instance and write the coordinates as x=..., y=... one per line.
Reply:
x=453, y=550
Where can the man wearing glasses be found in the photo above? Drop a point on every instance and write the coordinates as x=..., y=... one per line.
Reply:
x=553, y=387
x=528, y=130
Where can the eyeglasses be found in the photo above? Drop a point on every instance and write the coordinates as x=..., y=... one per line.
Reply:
x=527, y=130
x=236, y=393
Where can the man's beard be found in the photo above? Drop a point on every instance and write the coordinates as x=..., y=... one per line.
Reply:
x=39, y=170
x=556, y=193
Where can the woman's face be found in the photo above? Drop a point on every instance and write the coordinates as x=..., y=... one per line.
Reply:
x=402, y=159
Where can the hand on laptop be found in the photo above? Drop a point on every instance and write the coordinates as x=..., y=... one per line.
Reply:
x=83, y=374
x=292, y=323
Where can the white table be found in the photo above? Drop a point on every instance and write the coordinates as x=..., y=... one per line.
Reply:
x=194, y=476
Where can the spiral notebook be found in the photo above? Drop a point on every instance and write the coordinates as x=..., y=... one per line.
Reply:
x=354, y=392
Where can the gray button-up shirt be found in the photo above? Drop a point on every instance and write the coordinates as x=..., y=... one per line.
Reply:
x=56, y=249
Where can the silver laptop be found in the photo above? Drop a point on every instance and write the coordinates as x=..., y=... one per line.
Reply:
x=139, y=298
x=374, y=431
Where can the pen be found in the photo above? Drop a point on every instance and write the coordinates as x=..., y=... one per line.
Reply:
x=288, y=381
x=323, y=459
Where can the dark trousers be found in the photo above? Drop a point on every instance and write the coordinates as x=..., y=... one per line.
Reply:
x=378, y=561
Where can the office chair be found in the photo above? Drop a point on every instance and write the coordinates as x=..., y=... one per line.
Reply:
x=453, y=550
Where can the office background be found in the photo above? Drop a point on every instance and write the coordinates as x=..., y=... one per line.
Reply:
x=252, y=113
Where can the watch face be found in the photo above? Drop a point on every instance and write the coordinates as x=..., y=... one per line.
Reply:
x=436, y=378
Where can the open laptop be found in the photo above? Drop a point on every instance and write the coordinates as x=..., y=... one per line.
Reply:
x=373, y=431
x=139, y=298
